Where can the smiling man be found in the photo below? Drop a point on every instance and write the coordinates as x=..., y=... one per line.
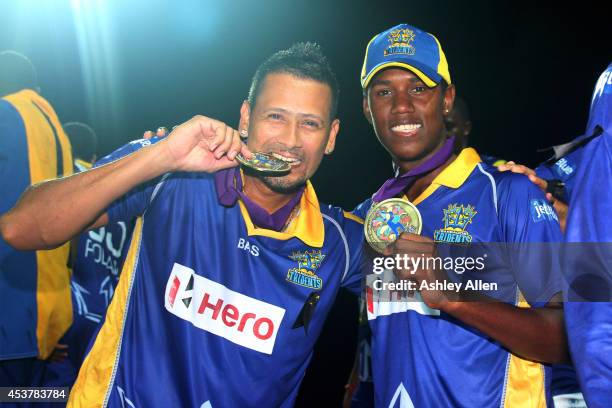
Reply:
x=225, y=310
x=434, y=348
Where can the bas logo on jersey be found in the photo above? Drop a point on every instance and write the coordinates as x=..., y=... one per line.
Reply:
x=216, y=309
x=304, y=274
x=456, y=219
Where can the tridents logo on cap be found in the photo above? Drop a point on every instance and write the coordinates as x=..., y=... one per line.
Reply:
x=406, y=47
x=400, y=40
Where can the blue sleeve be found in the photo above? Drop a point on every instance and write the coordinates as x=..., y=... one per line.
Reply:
x=362, y=209
x=530, y=226
x=14, y=163
x=135, y=202
x=563, y=169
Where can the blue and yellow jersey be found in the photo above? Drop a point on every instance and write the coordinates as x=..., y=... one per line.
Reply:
x=211, y=310
x=34, y=285
x=425, y=358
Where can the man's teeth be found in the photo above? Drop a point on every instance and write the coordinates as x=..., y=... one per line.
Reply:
x=406, y=128
x=285, y=159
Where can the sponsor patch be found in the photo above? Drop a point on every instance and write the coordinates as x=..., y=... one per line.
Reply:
x=219, y=310
x=542, y=211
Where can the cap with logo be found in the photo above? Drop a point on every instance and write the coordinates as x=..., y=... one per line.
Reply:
x=408, y=47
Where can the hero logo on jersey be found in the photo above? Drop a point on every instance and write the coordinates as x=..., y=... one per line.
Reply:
x=386, y=302
x=211, y=306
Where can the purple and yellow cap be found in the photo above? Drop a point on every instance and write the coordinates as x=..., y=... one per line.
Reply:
x=407, y=47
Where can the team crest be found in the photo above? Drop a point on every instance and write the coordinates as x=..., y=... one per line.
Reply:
x=304, y=274
x=456, y=219
x=400, y=42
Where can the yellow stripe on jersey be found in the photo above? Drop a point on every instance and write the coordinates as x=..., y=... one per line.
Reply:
x=307, y=226
x=54, y=306
x=525, y=379
x=353, y=217
x=94, y=380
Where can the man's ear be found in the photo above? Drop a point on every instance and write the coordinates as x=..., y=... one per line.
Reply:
x=245, y=114
x=366, y=108
x=333, y=132
x=449, y=98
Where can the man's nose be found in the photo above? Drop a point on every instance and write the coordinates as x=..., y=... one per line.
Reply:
x=291, y=136
x=402, y=103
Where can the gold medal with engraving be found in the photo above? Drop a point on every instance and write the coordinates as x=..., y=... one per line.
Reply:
x=388, y=219
x=264, y=163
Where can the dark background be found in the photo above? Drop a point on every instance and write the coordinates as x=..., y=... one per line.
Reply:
x=526, y=71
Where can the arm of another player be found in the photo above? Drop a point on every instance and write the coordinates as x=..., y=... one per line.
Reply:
x=533, y=333
x=50, y=213
x=560, y=207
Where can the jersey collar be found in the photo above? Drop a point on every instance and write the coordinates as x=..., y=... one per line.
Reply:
x=455, y=174
x=307, y=226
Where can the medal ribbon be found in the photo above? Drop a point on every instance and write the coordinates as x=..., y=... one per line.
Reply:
x=229, y=190
x=399, y=183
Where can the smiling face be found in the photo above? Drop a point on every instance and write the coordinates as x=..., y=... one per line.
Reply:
x=291, y=120
x=407, y=116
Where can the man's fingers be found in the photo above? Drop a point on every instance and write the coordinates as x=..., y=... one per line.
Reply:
x=543, y=184
x=225, y=163
x=516, y=168
x=244, y=150
x=519, y=168
x=148, y=134
x=223, y=148
x=217, y=131
x=408, y=236
x=235, y=146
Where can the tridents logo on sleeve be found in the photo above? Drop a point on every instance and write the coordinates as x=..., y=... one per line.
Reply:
x=216, y=309
x=456, y=219
x=399, y=41
x=304, y=274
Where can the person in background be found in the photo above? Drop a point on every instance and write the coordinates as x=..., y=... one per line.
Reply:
x=97, y=258
x=34, y=285
x=578, y=175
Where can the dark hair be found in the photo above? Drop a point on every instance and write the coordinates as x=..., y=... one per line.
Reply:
x=83, y=140
x=16, y=73
x=303, y=60
x=461, y=107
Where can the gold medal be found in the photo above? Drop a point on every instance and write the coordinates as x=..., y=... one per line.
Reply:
x=264, y=163
x=388, y=219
